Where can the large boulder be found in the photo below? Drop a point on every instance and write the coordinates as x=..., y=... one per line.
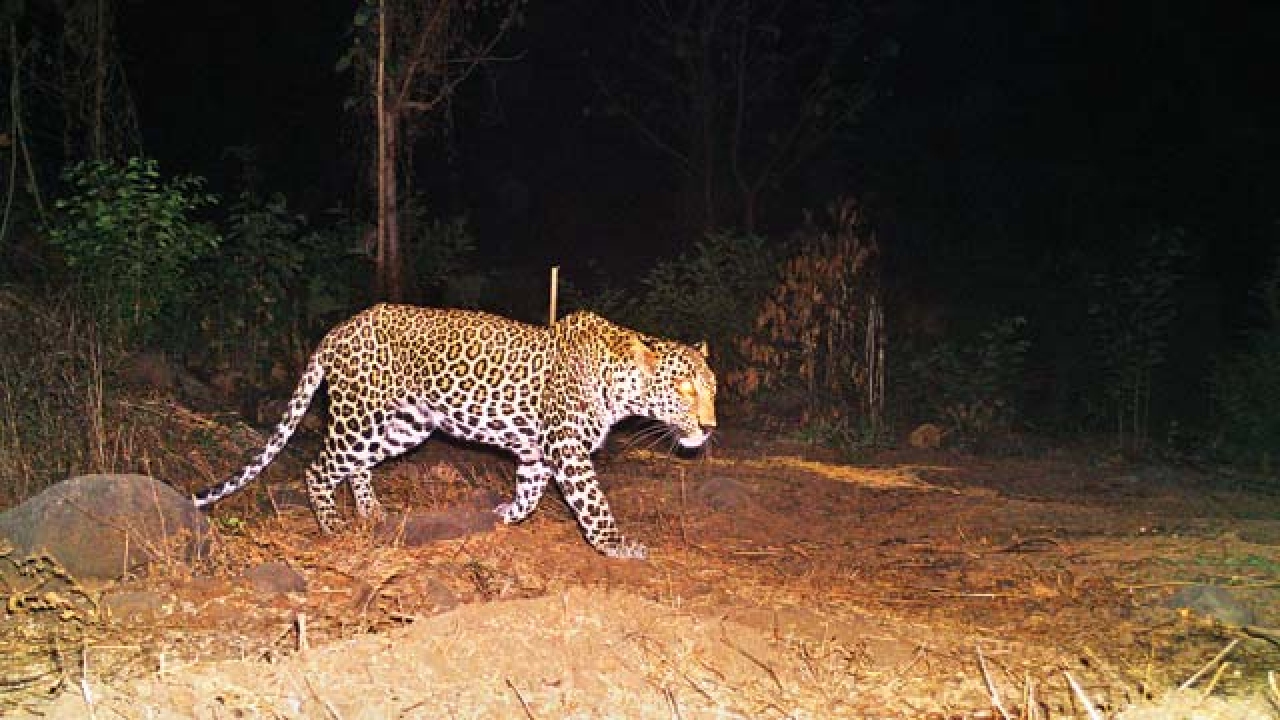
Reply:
x=99, y=527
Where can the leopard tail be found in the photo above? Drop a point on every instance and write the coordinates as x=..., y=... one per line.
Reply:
x=307, y=386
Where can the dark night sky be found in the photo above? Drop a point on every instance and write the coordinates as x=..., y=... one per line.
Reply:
x=1003, y=131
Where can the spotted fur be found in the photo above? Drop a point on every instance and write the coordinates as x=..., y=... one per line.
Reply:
x=396, y=373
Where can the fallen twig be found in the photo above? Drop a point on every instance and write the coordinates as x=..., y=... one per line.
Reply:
x=1029, y=700
x=324, y=701
x=303, y=644
x=1210, y=665
x=1034, y=544
x=527, y=712
x=86, y=692
x=991, y=686
x=1082, y=697
x=1271, y=635
x=671, y=701
x=756, y=661
x=1213, y=681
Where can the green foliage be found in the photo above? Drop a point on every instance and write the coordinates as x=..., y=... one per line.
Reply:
x=853, y=438
x=131, y=240
x=280, y=283
x=974, y=383
x=1246, y=392
x=606, y=299
x=273, y=275
x=1132, y=315
x=710, y=293
x=443, y=261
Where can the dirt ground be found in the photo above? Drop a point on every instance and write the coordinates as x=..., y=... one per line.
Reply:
x=781, y=584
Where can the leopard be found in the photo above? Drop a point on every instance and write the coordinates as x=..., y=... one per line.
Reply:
x=546, y=394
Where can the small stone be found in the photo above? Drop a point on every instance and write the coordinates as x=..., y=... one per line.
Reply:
x=139, y=606
x=424, y=528
x=275, y=577
x=723, y=494
x=1214, y=602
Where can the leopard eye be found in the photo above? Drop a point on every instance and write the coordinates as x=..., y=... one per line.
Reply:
x=686, y=388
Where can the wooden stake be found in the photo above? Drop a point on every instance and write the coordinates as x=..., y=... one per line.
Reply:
x=555, y=282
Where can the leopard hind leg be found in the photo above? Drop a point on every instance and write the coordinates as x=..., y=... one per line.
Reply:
x=323, y=479
x=380, y=436
x=531, y=482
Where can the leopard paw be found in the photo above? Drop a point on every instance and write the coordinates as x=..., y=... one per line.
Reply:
x=510, y=513
x=624, y=549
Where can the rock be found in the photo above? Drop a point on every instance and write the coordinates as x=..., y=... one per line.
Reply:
x=927, y=437
x=275, y=577
x=99, y=527
x=723, y=494
x=141, y=606
x=422, y=528
x=155, y=374
x=1212, y=601
x=439, y=596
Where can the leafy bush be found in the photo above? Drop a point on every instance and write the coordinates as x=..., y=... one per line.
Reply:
x=973, y=384
x=710, y=293
x=1246, y=392
x=443, y=261
x=1132, y=314
x=131, y=241
x=274, y=278
x=816, y=335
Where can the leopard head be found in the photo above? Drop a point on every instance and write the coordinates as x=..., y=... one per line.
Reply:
x=681, y=390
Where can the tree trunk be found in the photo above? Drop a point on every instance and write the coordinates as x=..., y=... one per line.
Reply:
x=750, y=198
x=97, y=143
x=387, y=274
x=393, y=285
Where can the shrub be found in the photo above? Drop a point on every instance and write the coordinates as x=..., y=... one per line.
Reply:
x=274, y=278
x=443, y=261
x=131, y=240
x=1246, y=392
x=1132, y=314
x=710, y=293
x=818, y=333
x=973, y=384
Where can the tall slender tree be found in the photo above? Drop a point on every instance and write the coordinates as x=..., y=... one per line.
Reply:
x=411, y=56
x=736, y=93
x=99, y=121
x=66, y=98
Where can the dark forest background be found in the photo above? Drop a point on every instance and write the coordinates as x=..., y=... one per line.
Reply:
x=1026, y=222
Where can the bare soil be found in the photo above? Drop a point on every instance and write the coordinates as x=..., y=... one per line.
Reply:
x=781, y=584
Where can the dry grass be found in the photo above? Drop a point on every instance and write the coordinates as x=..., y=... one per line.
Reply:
x=64, y=412
x=51, y=400
x=900, y=591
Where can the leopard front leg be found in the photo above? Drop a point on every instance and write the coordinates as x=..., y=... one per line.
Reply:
x=577, y=479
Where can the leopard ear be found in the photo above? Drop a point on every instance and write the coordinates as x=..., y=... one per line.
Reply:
x=702, y=348
x=643, y=356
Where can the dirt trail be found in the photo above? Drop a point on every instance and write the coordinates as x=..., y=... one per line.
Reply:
x=778, y=587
